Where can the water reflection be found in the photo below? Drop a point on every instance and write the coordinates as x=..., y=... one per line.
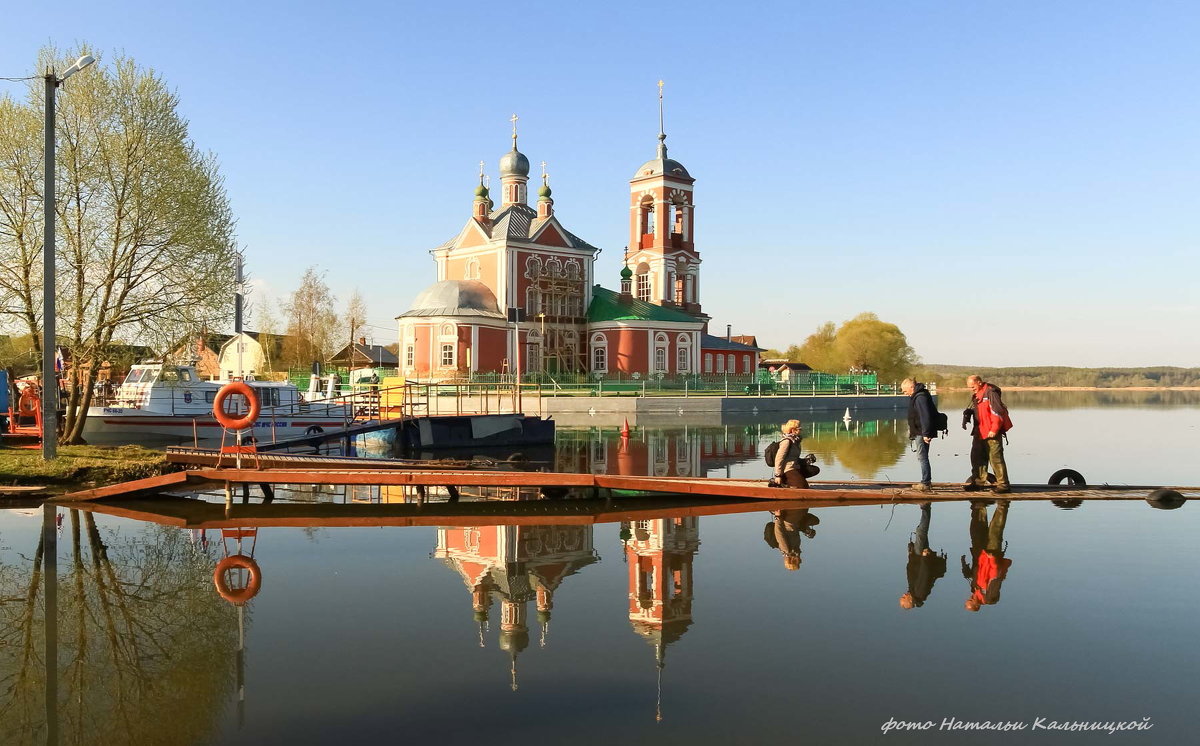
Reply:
x=862, y=447
x=925, y=565
x=515, y=565
x=784, y=530
x=128, y=629
x=989, y=566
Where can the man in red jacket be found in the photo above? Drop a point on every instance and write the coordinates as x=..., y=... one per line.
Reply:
x=991, y=422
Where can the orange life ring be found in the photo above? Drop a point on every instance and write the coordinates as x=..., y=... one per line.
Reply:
x=28, y=403
x=228, y=420
x=237, y=596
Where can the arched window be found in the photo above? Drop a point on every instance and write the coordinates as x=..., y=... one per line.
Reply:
x=708, y=364
x=410, y=355
x=747, y=364
x=472, y=272
x=447, y=330
x=553, y=267
x=599, y=353
x=683, y=359
x=643, y=282
x=732, y=363
x=647, y=215
x=533, y=267
x=572, y=269
x=660, y=359
x=533, y=299
x=533, y=351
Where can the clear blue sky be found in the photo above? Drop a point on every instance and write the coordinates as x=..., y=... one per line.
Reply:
x=1011, y=183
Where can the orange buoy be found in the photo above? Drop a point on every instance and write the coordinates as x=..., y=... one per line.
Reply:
x=237, y=596
x=229, y=421
x=28, y=403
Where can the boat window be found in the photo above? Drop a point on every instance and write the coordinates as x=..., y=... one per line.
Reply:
x=170, y=375
x=185, y=374
x=209, y=396
x=134, y=376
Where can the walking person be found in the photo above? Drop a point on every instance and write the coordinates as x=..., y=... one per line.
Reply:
x=991, y=423
x=789, y=469
x=925, y=566
x=921, y=427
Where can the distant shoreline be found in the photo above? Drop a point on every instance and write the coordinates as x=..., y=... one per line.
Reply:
x=1080, y=388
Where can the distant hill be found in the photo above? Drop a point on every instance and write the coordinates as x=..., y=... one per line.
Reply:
x=1163, y=376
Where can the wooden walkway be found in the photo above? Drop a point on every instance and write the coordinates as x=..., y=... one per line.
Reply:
x=593, y=483
x=209, y=458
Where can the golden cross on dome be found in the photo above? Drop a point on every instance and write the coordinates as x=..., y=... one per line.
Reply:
x=543, y=169
x=481, y=170
x=514, y=119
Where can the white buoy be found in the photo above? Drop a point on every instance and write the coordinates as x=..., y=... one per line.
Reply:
x=847, y=415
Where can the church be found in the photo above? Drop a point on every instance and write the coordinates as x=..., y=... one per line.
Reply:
x=517, y=292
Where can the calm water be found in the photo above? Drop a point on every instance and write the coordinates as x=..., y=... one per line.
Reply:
x=676, y=630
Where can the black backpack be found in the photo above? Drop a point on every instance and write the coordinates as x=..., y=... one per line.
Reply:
x=941, y=422
x=771, y=452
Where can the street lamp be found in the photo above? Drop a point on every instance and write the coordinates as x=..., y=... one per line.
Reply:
x=50, y=393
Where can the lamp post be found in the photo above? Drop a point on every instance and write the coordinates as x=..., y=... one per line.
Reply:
x=50, y=392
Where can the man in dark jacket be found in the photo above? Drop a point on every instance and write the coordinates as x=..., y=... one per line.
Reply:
x=925, y=566
x=921, y=426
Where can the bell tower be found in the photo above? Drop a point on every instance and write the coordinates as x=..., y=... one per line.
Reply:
x=662, y=247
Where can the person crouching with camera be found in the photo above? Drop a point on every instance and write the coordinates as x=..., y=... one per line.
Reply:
x=790, y=468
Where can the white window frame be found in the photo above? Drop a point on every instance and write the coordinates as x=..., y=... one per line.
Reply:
x=599, y=353
x=447, y=350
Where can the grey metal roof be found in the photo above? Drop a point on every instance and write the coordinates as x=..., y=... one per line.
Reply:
x=513, y=222
x=656, y=166
x=455, y=298
x=709, y=342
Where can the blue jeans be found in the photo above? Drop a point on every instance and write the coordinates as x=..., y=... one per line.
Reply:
x=923, y=460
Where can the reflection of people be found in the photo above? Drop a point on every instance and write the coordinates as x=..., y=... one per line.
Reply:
x=783, y=533
x=921, y=426
x=991, y=422
x=924, y=565
x=789, y=469
x=989, y=566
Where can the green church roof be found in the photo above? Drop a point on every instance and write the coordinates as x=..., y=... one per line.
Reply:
x=608, y=306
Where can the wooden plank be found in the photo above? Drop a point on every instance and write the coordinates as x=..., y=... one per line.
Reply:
x=397, y=477
x=127, y=489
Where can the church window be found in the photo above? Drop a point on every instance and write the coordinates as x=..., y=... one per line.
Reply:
x=410, y=356
x=447, y=356
x=533, y=301
x=553, y=267
x=472, y=271
x=447, y=330
x=643, y=286
x=599, y=353
x=533, y=267
x=677, y=219
x=572, y=270
x=683, y=359
x=660, y=359
x=647, y=215
x=720, y=363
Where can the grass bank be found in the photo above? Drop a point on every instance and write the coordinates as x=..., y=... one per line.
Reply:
x=80, y=465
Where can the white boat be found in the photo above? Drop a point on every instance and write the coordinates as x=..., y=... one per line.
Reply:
x=171, y=402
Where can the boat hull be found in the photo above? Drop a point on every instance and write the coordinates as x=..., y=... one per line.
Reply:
x=119, y=425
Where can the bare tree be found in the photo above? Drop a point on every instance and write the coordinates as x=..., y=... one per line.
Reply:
x=310, y=321
x=356, y=318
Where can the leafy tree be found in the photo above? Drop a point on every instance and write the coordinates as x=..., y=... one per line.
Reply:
x=866, y=343
x=819, y=351
x=145, y=247
x=311, y=323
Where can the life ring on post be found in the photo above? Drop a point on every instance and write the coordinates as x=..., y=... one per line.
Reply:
x=237, y=596
x=229, y=421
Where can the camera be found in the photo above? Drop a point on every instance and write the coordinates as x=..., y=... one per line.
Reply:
x=968, y=415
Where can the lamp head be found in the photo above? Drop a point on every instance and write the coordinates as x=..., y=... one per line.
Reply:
x=80, y=63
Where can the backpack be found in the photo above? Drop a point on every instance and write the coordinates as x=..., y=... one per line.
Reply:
x=770, y=452
x=941, y=422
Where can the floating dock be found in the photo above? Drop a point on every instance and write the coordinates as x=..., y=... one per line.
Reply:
x=592, y=484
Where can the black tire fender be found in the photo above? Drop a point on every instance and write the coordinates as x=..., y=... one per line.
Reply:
x=1070, y=476
x=1165, y=499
